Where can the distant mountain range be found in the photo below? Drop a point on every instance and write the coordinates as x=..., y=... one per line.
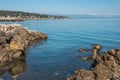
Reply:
x=94, y=16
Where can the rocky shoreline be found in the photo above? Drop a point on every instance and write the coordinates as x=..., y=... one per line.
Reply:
x=14, y=41
x=106, y=67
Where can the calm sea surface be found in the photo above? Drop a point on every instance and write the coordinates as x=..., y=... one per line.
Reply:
x=58, y=57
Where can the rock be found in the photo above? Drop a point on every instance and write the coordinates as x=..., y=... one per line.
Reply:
x=2, y=34
x=82, y=75
x=118, y=54
x=2, y=38
x=15, y=68
x=106, y=67
x=17, y=54
x=82, y=50
x=3, y=54
x=107, y=71
x=23, y=32
x=17, y=43
x=37, y=35
x=111, y=52
x=15, y=39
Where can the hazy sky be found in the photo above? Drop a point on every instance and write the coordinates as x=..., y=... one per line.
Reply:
x=98, y=7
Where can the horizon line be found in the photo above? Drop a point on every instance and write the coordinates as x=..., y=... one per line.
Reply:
x=61, y=13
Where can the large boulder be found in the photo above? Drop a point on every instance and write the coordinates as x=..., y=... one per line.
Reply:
x=15, y=39
x=22, y=32
x=37, y=35
x=17, y=43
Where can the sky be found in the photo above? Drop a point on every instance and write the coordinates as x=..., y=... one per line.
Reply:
x=71, y=7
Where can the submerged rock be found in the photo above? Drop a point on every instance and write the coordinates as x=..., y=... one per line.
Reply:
x=106, y=67
x=15, y=39
x=15, y=68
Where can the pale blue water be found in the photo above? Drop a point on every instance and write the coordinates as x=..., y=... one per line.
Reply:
x=58, y=57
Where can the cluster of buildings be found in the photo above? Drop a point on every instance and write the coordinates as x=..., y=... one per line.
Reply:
x=8, y=18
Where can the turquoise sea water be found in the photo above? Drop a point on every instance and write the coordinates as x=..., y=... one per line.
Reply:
x=58, y=57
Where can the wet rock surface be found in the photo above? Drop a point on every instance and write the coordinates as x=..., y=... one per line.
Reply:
x=106, y=67
x=15, y=39
x=15, y=68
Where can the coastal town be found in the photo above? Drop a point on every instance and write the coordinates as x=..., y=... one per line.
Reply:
x=21, y=16
x=10, y=19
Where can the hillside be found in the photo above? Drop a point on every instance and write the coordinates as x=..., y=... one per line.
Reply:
x=27, y=15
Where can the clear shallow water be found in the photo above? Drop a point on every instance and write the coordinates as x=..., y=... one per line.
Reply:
x=58, y=57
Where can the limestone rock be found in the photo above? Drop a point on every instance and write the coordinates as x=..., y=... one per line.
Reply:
x=17, y=43
x=105, y=68
x=15, y=39
x=82, y=75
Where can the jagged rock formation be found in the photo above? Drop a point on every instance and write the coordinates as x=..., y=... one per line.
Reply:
x=106, y=67
x=15, y=39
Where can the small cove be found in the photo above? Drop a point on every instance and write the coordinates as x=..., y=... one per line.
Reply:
x=58, y=57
